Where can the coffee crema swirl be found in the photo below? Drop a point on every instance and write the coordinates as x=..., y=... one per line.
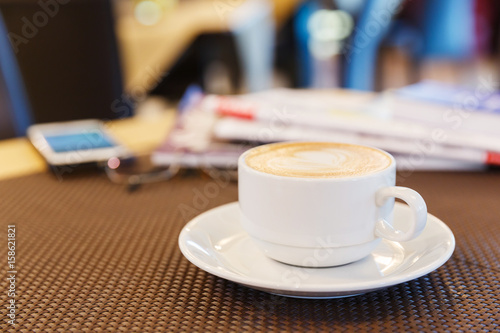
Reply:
x=317, y=160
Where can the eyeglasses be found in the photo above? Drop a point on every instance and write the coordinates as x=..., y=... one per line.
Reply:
x=139, y=170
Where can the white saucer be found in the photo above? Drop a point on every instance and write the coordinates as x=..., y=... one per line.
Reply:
x=215, y=242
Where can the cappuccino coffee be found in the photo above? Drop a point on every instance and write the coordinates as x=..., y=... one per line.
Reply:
x=317, y=160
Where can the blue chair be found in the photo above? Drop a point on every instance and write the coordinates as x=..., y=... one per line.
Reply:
x=362, y=50
x=15, y=112
x=448, y=29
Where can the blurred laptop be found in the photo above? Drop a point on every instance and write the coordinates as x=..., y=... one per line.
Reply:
x=65, y=57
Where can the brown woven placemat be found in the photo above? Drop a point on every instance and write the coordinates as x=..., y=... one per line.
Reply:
x=93, y=257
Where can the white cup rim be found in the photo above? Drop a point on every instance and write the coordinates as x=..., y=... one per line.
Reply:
x=242, y=163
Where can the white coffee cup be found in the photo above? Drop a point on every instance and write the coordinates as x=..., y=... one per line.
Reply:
x=322, y=218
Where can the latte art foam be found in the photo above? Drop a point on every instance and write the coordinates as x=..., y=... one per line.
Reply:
x=317, y=160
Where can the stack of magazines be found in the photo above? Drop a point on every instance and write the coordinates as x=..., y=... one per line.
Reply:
x=428, y=125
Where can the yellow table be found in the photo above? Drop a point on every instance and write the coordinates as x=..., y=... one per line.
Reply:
x=140, y=134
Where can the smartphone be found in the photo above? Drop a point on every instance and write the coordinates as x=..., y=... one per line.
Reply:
x=75, y=142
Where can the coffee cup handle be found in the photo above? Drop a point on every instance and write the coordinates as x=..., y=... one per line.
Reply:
x=414, y=201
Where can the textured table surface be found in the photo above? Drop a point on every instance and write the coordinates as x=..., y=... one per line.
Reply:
x=92, y=256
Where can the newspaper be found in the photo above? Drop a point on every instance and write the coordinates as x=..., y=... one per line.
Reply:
x=215, y=129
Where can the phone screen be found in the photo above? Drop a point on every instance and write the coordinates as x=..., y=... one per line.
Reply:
x=94, y=139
